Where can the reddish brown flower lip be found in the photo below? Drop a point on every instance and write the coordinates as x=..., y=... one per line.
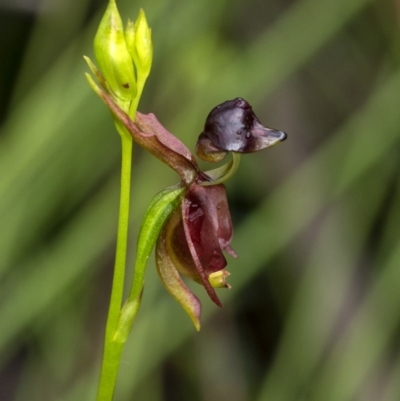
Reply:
x=196, y=235
x=208, y=230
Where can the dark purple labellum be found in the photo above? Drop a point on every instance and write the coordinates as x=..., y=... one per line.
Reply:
x=232, y=126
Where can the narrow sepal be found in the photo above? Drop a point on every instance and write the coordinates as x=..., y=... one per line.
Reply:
x=99, y=76
x=159, y=210
x=151, y=135
x=174, y=284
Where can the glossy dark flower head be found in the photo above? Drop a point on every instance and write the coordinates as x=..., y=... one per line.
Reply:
x=233, y=127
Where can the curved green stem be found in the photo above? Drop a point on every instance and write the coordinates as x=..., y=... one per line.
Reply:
x=223, y=173
x=112, y=348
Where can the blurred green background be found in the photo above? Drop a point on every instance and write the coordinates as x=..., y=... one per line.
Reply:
x=314, y=312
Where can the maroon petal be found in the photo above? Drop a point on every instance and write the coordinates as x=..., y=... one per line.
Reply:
x=208, y=230
x=178, y=248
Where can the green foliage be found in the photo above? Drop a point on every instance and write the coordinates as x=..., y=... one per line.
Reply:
x=314, y=311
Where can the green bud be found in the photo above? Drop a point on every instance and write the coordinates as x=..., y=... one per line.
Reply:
x=138, y=41
x=130, y=39
x=113, y=56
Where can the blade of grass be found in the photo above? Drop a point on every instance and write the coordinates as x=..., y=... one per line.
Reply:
x=324, y=287
x=370, y=335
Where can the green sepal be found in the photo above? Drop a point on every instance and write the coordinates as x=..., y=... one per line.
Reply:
x=173, y=282
x=160, y=208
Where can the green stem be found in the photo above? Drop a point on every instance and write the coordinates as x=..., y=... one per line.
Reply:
x=223, y=173
x=113, y=349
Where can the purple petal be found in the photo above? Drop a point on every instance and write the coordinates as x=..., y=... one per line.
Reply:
x=208, y=230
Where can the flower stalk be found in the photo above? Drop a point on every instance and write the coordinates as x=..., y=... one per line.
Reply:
x=123, y=80
x=112, y=348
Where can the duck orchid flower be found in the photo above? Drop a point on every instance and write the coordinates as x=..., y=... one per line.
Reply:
x=190, y=224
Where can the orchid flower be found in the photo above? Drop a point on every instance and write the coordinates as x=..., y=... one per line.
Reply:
x=196, y=231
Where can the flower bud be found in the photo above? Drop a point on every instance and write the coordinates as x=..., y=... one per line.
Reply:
x=139, y=44
x=130, y=38
x=112, y=55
